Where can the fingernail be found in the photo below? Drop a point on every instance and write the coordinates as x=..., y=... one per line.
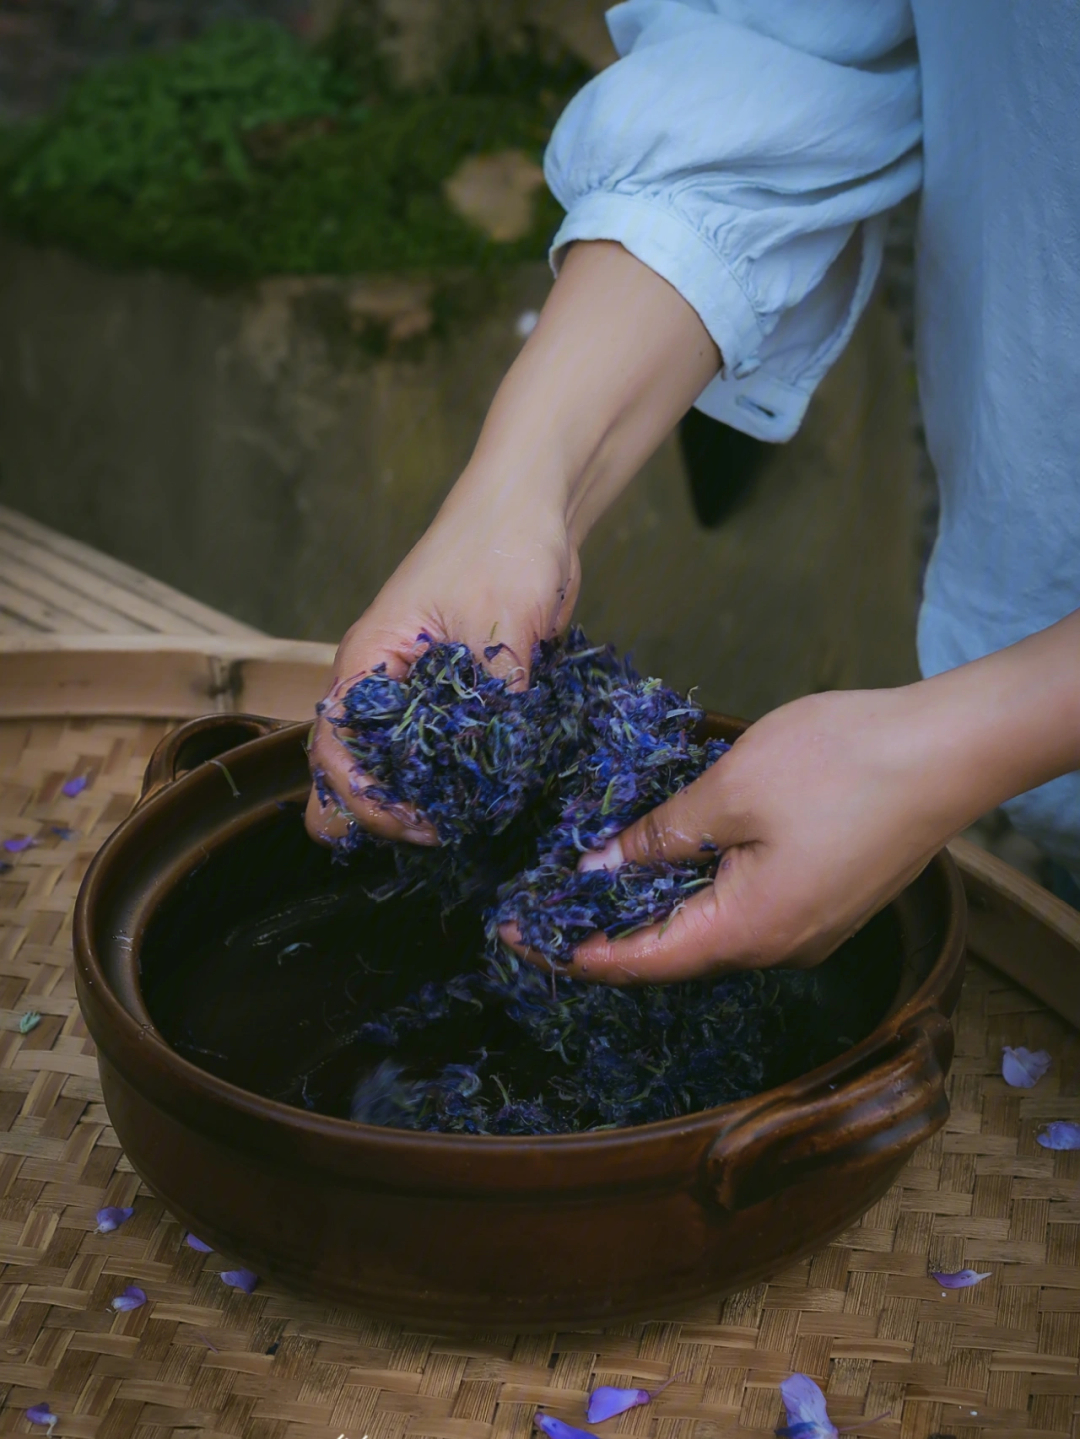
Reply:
x=610, y=857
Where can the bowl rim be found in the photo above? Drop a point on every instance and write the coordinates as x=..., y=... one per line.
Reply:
x=96, y=992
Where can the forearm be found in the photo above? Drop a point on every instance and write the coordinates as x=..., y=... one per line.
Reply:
x=615, y=361
x=1003, y=724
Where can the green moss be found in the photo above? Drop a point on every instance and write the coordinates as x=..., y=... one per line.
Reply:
x=243, y=154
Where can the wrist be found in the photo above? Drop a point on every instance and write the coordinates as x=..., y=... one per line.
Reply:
x=1000, y=725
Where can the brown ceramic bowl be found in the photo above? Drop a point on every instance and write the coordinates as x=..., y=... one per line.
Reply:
x=455, y=1230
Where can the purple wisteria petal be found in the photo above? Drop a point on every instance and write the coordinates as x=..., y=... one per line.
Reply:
x=243, y=1279
x=1023, y=1068
x=1060, y=1134
x=74, y=787
x=20, y=845
x=131, y=1298
x=557, y=1429
x=606, y=1402
x=961, y=1279
x=42, y=1414
x=194, y=1242
x=807, y=1416
x=111, y=1218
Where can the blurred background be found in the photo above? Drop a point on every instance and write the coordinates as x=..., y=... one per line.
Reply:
x=262, y=268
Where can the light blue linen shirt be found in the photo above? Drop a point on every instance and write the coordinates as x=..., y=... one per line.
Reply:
x=748, y=150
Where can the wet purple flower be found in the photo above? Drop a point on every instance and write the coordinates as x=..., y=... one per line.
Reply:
x=111, y=1218
x=1023, y=1068
x=606, y=1402
x=557, y=769
x=20, y=845
x=131, y=1298
x=557, y=1429
x=243, y=1279
x=1060, y=1134
x=75, y=786
x=193, y=1242
x=520, y=785
x=42, y=1414
x=807, y=1416
x=962, y=1279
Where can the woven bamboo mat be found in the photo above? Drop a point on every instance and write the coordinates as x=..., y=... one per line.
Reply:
x=861, y=1316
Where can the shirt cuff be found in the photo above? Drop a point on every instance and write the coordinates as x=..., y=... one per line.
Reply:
x=669, y=246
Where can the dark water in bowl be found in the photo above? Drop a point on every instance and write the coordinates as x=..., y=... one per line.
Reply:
x=261, y=966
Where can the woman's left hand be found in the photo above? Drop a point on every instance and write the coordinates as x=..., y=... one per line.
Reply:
x=824, y=810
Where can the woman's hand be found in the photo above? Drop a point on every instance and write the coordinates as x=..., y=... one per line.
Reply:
x=476, y=576
x=826, y=808
x=821, y=818
x=616, y=359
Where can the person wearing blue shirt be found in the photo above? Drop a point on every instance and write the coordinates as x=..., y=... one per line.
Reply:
x=726, y=184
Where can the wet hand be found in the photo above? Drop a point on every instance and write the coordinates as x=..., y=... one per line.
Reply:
x=477, y=576
x=824, y=810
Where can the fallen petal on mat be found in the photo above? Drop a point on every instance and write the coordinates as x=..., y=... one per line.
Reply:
x=130, y=1298
x=74, y=787
x=19, y=846
x=193, y=1242
x=244, y=1279
x=962, y=1279
x=1023, y=1068
x=111, y=1218
x=42, y=1414
x=606, y=1402
x=556, y=1429
x=1060, y=1134
x=807, y=1416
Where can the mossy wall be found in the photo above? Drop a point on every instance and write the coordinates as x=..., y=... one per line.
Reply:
x=245, y=153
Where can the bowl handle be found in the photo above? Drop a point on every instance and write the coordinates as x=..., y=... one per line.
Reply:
x=200, y=741
x=890, y=1099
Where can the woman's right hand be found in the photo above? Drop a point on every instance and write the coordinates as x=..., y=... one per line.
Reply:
x=616, y=358
x=482, y=574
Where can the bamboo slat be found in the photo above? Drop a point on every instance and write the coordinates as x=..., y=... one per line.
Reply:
x=50, y=583
x=161, y=676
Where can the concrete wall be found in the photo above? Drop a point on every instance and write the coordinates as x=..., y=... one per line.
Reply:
x=275, y=451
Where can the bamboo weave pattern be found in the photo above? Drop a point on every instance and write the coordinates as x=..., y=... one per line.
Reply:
x=861, y=1316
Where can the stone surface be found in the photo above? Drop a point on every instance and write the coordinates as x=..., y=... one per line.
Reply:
x=275, y=452
x=495, y=193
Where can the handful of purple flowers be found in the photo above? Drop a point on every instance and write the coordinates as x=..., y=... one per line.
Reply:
x=520, y=784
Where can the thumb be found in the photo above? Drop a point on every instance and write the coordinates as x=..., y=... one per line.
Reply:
x=691, y=825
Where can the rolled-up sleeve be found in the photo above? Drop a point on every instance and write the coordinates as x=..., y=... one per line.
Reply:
x=747, y=151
